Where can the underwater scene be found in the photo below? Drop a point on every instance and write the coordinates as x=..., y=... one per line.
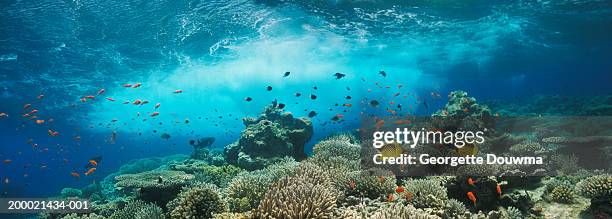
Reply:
x=302, y=109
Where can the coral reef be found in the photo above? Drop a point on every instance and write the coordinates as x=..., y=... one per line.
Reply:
x=455, y=209
x=88, y=216
x=599, y=189
x=514, y=213
x=200, y=201
x=369, y=184
x=268, y=138
x=139, y=210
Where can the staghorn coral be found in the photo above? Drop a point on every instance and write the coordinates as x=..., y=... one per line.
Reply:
x=199, y=201
x=425, y=193
x=71, y=192
x=269, y=138
x=455, y=209
x=514, y=213
x=400, y=211
x=302, y=196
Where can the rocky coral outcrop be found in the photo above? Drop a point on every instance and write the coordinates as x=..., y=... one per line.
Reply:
x=462, y=112
x=201, y=201
x=268, y=138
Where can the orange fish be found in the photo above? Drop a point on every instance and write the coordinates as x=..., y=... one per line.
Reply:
x=40, y=121
x=34, y=111
x=472, y=197
x=110, y=99
x=90, y=171
x=465, y=110
x=157, y=105
x=137, y=102
x=391, y=111
x=27, y=106
x=390, y=198
x=40, y=96
x=7, y=161
x=101, y=91
x=499, y=191
x=409, y=196
x=399, y=189
x=154, y=114
x=347, y=105
x=137, y=85
x=90, y=97
x=353, y=185
x=178, y=91
x=93, y=162
x=127, y=85
x=470, y=181
x=75, y=174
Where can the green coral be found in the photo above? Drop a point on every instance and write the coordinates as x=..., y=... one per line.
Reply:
x=366, y=184
x=562, y=194
x=200, y=201
x=138, y=209
x=71, y=192
x=599, y=186
x=426, y=193
x=247, y=189
x=455, y=209
x=304, y=196
x=218, y=175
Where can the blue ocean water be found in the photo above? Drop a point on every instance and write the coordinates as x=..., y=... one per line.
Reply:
x=221, y=52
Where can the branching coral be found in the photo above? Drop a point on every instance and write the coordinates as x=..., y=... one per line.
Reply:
x=302, y=196
x=562, y=194
x=455, y=209
x=247, y=189
x=366, y=184
x=514, y=213
x=201, y=201
x=425, y=193
x=599, y=186
x=139, y=210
